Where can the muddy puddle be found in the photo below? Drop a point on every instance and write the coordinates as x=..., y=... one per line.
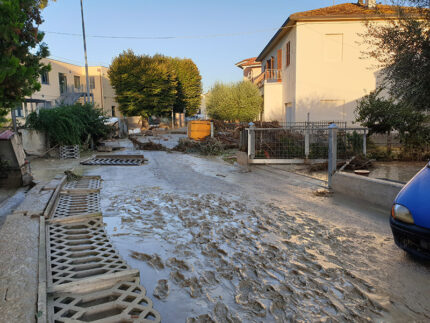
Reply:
x=220, y=258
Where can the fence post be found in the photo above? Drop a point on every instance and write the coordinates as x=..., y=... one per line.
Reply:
x=251, y=142
x=364, y=143
x=307, y=141
x=332, y=152
x=212, y=129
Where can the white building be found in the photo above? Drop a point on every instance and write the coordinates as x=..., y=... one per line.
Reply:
x=314, y=67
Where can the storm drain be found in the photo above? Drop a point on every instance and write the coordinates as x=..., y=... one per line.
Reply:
x=115, y=160
x=124, y=302
x=86, y=279
x=75, y=204
x=80, y=250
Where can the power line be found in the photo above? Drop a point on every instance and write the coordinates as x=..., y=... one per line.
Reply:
x=168, y=37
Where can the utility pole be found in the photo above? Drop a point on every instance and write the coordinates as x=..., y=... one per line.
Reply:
x=85, y=51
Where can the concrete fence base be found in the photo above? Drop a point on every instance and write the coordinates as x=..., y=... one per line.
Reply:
x=376, y=191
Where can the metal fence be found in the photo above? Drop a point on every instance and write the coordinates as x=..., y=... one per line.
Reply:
x=297, y=144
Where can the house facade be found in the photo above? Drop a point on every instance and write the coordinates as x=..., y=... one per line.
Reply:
x=313, y=67
x=66, y=84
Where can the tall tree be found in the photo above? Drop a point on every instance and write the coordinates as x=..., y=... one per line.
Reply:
x=21, y=49
x=189, y=87
x=144, y=85
x=402, y=48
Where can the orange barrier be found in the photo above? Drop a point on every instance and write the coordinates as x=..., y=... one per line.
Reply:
x=199, y=130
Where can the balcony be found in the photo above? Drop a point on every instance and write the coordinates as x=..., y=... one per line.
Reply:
x=269, y=75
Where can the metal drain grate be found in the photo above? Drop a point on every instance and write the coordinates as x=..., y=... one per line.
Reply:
x=115, y=160
x=85, y=278
x=74, y=204
x=69, y=152
x=80, y=250
x=124, y=302
x=84, y=183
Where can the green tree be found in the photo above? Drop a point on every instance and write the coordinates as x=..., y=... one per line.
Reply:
x=402, y=48
x=189, y=86
x=21, y=49
x=240, y=101
x=144, y=85
x=383, y=116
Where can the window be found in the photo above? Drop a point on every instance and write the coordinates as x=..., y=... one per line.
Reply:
x=77, y=80
x=113, y=111
x=92, y=82
x=18, y=112
x=288, y=55
x=45, y=78
x=62, y=79
x=333, y=47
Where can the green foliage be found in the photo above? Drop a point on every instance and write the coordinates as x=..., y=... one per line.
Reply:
x=189, y=86
x=402, y=49
x=382, y=115
x=21, y=49
x=144, y=85
x=70, y=124
x=241, y=101
x=378, y=114
x=148, y=86
x=3, y=114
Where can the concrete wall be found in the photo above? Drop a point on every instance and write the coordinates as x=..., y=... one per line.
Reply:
x=33, y=142
x=376, y=191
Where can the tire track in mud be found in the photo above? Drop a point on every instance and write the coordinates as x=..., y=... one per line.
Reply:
x=254, y=262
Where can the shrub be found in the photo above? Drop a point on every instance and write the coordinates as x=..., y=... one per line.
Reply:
x=236, y=102
x=70, y=124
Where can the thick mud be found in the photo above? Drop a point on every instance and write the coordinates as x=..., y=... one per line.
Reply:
x=221, y=258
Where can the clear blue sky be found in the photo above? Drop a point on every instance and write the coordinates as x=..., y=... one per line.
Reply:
x=252, y=24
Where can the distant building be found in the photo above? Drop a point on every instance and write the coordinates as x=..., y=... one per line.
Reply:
x=313, y=66
x=66, y=84
x=251, y=68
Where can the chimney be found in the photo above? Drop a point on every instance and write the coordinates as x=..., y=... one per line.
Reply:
x=371, y=4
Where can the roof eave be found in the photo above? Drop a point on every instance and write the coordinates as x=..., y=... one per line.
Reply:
x=269, y=45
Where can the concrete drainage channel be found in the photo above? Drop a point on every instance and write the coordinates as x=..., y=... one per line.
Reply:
x=82, y=278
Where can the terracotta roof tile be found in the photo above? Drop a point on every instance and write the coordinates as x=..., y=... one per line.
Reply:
x=248, y=62
x=349, y=9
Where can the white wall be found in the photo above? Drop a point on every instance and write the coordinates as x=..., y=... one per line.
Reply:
x=331, y=72
x=287, y=92
x=273, y=107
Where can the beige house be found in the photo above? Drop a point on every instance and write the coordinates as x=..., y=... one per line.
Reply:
x=313, y=67
x=66, y=83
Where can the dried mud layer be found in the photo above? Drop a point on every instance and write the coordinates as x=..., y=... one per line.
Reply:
x=212, y=258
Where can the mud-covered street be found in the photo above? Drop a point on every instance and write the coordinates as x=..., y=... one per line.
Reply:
x=215, y=243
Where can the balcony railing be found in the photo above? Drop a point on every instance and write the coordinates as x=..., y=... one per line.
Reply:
x=269, y=75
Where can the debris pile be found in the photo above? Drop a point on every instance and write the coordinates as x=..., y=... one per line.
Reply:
x=209, y=146
x=149, y=145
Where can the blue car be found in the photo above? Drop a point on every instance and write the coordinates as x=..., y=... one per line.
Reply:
x=410, y=215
